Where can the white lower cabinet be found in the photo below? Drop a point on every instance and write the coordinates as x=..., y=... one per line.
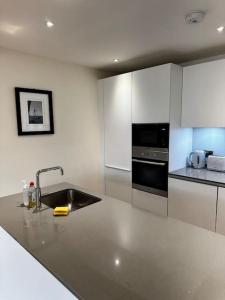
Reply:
x=118, y=183
x=220, y=224
x=192, y=202
x=153, y=203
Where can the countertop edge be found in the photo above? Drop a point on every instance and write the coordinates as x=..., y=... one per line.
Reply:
x=197, y=180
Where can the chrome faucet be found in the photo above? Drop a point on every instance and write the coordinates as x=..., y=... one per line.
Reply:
x=38, y=188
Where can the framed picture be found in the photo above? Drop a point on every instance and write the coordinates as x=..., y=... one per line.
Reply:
x=34, y=111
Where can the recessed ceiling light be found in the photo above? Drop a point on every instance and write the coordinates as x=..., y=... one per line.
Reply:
x=10, y=28
x=49, y=24
x=195, y=17
x=117, y=262
x=116, y=60
x=220, y=29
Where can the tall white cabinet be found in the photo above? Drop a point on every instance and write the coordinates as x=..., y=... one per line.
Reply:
x=203, y=98
x=117, y=137
x=151, y=95
x=117, y=120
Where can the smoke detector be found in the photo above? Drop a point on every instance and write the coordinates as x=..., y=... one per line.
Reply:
x=195, y=17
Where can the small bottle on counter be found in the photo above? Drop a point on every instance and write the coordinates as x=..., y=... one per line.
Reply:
x=32, y=195
x=25, y=193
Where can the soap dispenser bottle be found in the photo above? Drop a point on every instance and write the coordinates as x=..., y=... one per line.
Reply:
x=25, y=193
x=32, y=195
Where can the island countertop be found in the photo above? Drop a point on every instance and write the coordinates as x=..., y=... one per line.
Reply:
x=21, y=275
x=112, y=250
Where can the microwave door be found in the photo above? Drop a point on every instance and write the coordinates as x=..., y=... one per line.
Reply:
x=150, y=135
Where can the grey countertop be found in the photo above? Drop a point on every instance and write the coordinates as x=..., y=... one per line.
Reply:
x=200, y=175
x=111, y=250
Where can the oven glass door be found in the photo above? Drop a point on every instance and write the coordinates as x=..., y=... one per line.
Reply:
x=150, y=176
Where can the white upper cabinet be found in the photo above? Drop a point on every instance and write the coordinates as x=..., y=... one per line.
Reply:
x=151, y=95
x=203, y=99
x=117, y=120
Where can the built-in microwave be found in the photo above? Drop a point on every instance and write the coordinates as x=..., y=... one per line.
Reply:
x=150, y=135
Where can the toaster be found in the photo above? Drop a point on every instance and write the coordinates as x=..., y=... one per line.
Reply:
x=216, y=163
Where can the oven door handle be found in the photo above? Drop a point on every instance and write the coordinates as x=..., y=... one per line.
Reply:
x=149, y=162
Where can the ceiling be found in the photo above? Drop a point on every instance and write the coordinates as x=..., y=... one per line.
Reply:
x=140, y=33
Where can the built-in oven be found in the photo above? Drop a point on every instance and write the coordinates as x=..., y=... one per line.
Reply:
x=150, y=153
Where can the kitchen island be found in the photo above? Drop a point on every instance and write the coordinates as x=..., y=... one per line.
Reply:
x=21, y=275
x=111, y=250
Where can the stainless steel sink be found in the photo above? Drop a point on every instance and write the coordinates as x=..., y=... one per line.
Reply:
x=76, y=198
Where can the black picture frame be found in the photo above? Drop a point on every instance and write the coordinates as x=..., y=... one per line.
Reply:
x=18, y=91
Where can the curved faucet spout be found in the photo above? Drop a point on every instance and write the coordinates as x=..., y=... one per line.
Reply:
x=38, y=188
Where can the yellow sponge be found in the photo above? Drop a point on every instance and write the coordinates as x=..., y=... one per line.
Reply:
x=61, y=211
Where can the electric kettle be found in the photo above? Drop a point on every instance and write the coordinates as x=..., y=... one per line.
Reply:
x=197, y=159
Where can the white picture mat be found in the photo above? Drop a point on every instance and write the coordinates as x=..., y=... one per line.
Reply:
x=24, y=98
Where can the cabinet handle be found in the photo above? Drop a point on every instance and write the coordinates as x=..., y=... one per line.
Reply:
x=117, y=168
x=149, y=162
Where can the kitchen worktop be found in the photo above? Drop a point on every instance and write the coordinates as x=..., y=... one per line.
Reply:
x=111, y=250
x=200, y=175
x=15, y=258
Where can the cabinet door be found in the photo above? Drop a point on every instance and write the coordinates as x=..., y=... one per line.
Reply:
x=151, y=95
x=118, y=184
x=117, y=120
x=220, y=224
x=147, y=201
x=192, y=202
x=203, y=97
x=100, y=107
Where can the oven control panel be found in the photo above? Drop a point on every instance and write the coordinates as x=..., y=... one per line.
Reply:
x=150, y=153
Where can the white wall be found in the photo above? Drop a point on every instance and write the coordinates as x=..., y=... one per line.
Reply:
x=180, y=138
x=76, y=142
x=209, y=139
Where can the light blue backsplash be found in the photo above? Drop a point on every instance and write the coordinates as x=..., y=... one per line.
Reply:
x=209, y=139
